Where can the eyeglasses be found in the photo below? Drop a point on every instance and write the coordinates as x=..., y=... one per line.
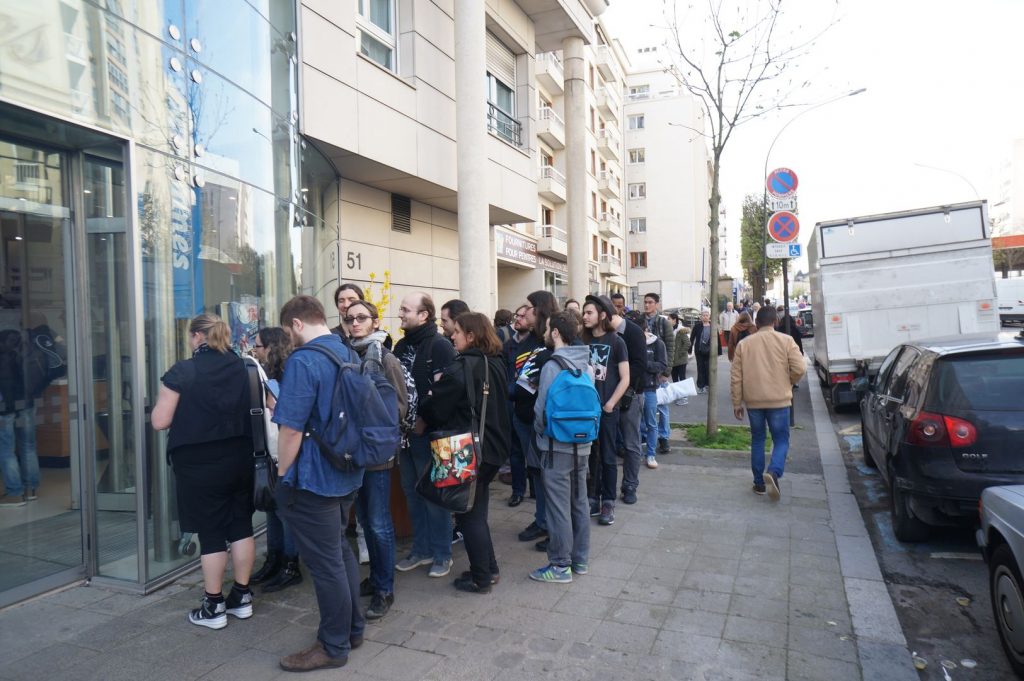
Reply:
x=361, y=318
x=258, y=347
x=520, y=316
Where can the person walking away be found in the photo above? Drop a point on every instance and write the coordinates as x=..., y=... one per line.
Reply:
x=425, y=354
x=514, y=361
x=542, y=306
x=766, y=367
x=660, y=326
x=681, y=353
x=740, y=330
x=564, y=463
x=657, y=362
x=610, y=362
x=373, y=501
x=726, y=319
x=700, y=346
x=631, y=408
x=314, y=497
x=204, y=402
x=281, y=568
x=478, y=371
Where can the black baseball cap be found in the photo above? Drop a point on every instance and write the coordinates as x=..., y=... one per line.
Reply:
x=602, y=303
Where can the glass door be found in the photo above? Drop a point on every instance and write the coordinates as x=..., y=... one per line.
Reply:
x=41, y=529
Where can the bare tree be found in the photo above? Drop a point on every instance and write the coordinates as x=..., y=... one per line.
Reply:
x=738, y=67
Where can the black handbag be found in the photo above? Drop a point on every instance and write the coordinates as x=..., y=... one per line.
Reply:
x=264, y=479
x=450, y=479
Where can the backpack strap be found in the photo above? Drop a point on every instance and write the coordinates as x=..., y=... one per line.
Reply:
x=472, y=402
x=259, y=434
x=567, y=365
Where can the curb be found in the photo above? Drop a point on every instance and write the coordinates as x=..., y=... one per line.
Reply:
x=881, y=645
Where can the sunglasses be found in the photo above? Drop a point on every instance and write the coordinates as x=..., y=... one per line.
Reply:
x=361, y=318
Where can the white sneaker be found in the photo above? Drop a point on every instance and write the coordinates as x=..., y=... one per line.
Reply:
x=683, y=402
x=652, y=462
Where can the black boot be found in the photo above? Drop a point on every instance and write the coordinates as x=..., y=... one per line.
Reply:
x=272, y=566
x=288, y=576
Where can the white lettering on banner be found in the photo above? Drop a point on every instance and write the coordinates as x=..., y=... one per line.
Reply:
x=552, y=265
x=515, y=247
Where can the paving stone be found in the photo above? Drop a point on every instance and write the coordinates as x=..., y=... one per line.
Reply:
x=687, y=647
x=709, y=601
x=704, y=581
x=724, y=566
x=646, y=592
x=401, y=663
x=629, y=637
x=580, y=603
x=759, y=608
x=695, y=622
x=808, y=667
x=775, y=589
x=609, y=567
x=642, y=614
x=823, y=641
x=749, y=630
x=750, y=658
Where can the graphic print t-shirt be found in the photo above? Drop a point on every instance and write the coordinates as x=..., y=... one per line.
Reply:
x=605, y=354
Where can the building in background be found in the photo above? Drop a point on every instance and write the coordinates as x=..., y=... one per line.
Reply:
x=667, y=178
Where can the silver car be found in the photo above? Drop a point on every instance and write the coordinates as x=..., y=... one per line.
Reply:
x=1001, y=538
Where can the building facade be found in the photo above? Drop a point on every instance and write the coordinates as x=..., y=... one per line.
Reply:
x=667, y=179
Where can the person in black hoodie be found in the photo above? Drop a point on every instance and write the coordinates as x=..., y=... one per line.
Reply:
x=480, y=367
x=700, y=346
x=513, y=363
x=425, y=354
x=631, y=406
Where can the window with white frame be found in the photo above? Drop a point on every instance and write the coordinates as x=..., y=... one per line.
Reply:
x=638, y=190
x=637, y=156
x=501, y=94
x=377, y=32
x=636, y=122
x=638, y=225
x=637, y=92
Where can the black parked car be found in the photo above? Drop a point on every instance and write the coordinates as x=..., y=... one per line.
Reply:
x=942, y=421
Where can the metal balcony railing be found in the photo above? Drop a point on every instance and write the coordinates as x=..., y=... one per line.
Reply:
x=552, y=232
x=551, y=173
x=548, y=114
x=504, y=126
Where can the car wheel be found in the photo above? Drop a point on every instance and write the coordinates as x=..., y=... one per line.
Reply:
x=905, y=525
x=869, y=460
x=1008, y=605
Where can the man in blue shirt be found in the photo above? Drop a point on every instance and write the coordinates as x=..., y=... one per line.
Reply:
x=313, y=497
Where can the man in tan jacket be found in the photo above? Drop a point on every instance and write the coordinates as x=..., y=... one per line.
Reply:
x=767, y=366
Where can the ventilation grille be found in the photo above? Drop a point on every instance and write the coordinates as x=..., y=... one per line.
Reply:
x=401, y=214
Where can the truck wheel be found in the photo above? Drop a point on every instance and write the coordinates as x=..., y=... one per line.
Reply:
x=905, y=525
x=1005, y=586
x=869, y=460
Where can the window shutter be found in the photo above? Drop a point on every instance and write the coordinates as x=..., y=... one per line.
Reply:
x=401, y=214
x=501, y=62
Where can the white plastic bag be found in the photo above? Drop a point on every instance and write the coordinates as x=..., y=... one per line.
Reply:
x=670, y=392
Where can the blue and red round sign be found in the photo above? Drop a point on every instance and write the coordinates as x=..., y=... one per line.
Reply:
x=784, y=227
x=781, y=182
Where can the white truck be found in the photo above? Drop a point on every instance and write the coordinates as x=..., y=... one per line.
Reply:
x=1010, y=293
x=881, y=280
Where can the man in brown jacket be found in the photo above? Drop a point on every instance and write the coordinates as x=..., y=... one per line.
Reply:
x=767, y=366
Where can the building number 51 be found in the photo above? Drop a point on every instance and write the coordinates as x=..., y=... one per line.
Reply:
x=353, y=260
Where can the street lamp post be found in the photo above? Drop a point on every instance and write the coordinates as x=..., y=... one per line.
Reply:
x=764, y=268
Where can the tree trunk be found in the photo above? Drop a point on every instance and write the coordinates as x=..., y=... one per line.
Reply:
x=715, y=202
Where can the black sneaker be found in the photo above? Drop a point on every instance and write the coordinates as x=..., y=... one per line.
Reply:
x=532, y=531
x=495, y=576
x=629, y=496
x=607, y=516
x=595, y=508
x=379, y=606
x=772, y=485
x=239, y=604
x=542, y=545
x=365, y=588
x=210, y=615
x=663, y=447
x=456, y=536
x=468, y=585
x=758, y=489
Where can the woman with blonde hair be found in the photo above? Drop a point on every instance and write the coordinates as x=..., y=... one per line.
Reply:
x=204, y=401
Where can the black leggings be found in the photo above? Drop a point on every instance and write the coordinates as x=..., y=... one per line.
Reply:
x=475, y=531
x=679, y=373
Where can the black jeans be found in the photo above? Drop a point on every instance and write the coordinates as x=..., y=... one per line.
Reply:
x=604, y=466
x=475, y=531
x=703, y=368
x=316, y=525
x=679, y=373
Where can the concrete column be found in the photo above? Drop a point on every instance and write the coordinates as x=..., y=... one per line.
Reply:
x=575, y=103
x=475, y=252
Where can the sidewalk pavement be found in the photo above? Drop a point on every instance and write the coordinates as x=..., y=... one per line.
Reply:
x=700, y=580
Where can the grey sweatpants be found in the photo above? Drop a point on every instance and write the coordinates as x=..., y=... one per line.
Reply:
x=629, y=426
x=568, y=509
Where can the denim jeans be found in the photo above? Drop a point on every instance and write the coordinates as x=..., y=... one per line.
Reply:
x=526, y=436
x=629, y=426
x=663, y=423
x=517, y=457
x=373, y=509
x=777, y=421
x=279, y=537
x=18, y=456
x=431, y=524
x=650, y=422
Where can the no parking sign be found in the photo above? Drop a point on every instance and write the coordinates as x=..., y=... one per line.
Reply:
x=781, y=182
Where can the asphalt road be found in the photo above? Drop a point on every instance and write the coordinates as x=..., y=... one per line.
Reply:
x=926, y=580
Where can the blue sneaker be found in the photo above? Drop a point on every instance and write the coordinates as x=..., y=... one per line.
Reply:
x=552, y=573
x=580, y=568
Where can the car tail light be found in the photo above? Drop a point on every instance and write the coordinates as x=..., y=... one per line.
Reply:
x=927, y=430
x=841, y=378
x=961, y=433
x=799, y=322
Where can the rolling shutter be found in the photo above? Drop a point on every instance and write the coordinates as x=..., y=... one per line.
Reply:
x=501, y=61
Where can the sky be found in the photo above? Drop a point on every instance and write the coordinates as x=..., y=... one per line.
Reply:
x=945, y=88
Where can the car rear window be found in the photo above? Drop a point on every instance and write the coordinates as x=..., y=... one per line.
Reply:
x=982, y=382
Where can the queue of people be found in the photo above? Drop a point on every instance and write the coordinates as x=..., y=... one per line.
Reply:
x=557, y=394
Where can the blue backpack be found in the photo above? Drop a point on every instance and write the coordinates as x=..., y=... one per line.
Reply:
x=572, y=413
x=363, y=428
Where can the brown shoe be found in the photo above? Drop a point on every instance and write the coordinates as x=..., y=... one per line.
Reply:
x=314, y=657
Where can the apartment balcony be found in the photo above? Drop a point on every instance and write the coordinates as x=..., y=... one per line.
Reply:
x=610, y=265
x=551, y=184
x=608, y=103
x=554, y=242
x=609, y=186
x=551, y=128
x=608, y=226
x=550, y=74
x=604, y=60
x=504, y=126
x=608, y=145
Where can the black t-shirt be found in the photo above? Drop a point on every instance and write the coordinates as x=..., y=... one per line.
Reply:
x=214, y=399
x=606, y=352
